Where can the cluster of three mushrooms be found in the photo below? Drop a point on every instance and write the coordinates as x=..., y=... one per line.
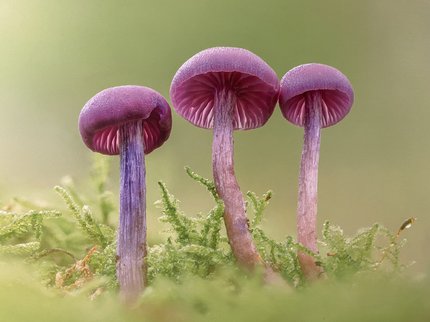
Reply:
x=220, y=88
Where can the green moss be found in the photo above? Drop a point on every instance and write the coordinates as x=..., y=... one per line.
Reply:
x=192, y=274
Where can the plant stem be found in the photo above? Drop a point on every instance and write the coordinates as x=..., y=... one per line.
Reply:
x=226, y=184
x=131, y=249
x=308, y=183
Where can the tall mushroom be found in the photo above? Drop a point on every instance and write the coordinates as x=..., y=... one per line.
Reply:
x=313, y=96
x=130, y=121
x=227, y=89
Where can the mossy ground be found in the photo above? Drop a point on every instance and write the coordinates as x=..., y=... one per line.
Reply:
x=59, y=264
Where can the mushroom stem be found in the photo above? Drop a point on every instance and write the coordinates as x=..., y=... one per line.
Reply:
x=226, y=184
x=308, y=183
x=131, y=249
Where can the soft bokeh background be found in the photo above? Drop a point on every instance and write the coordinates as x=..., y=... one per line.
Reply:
x=375, y=165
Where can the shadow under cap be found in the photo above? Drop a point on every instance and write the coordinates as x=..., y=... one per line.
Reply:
x=253, y=82
x=103, y=114
x=335, y=88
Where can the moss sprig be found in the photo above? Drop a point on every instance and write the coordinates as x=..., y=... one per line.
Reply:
x=344, y=256
x=16, y=225
x=197, y=246
x=90, y=227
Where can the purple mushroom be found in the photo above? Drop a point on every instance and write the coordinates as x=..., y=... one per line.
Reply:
x=130, y=121
x=312, y=96
x=227, y=89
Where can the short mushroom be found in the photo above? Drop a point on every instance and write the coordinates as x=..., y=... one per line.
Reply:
x=313, y=96
x=227, y=89
x=130, y=121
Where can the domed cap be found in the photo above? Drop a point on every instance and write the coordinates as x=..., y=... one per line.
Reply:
x=103, y=114
x=225, y=68
x=336, y=92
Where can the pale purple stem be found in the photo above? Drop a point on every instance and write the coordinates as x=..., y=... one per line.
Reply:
x=308, y=183
x=131, y=249
x=226, y=184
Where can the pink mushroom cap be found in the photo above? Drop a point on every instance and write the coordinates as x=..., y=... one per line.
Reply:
x=336, y=92
x=253, y=81
x=103, y=114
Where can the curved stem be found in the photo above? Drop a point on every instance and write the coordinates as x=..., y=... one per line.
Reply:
x=131, y=249
x=226, y=184
x=308, y=184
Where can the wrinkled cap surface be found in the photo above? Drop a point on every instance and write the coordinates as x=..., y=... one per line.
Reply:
x=336, y=93
x=254, y=83
x=103, y=114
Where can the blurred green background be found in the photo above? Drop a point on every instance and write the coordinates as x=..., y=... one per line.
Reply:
x=56, y=54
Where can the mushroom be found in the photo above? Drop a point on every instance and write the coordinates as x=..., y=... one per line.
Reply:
x=313, y=96
x=130, y=121
x=227, y=89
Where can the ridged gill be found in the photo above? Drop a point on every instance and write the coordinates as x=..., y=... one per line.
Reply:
x=255, y=100
x=106, y=141
x=334, y=108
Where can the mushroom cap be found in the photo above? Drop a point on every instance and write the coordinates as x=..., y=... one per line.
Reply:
x=336, y=92
x=253, y=81
x=102, y=115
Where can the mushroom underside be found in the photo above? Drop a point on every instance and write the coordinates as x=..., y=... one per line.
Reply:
x=334, y=107
x=106, y=140
x=255, y=99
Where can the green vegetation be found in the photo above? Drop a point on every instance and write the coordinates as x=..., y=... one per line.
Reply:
x=192, y=273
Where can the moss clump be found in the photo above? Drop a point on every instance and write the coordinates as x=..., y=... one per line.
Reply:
x=69, y=258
